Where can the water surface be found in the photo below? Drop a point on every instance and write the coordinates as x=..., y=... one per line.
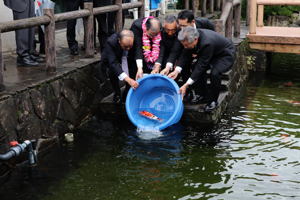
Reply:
x=254, y=153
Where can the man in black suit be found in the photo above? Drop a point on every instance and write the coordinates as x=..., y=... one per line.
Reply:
x=169, y=44
x=115, y=57
x=211, y=51
x=136, y=56
x=24, y=37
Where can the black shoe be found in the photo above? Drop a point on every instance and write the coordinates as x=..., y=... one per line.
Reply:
x=74, y=51
x=26, y=61
x=210, y=106
x=37, y=58
x=117, y=99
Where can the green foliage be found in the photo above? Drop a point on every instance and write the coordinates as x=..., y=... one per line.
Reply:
x=281, y=10
x=180, y=4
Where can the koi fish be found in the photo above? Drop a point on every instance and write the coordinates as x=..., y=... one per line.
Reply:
x=149, y=115
x=296, y=103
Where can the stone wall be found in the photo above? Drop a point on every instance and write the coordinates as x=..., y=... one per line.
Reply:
x=52, y=107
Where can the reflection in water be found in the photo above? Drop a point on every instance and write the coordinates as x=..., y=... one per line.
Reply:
x=252, y=154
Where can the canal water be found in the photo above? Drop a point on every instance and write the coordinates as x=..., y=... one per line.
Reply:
x=254, y=153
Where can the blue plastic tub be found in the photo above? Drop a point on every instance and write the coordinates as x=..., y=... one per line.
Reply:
x=158, y=95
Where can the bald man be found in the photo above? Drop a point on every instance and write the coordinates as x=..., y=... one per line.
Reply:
x=136, y=56
x=114, y=56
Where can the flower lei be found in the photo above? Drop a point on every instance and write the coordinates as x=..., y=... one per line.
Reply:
x=150, y=56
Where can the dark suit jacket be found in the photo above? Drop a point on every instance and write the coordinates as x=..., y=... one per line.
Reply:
x=16, y=5
x=211, y=46
x=172, y=47
x=168, y=44
x=112, y=54
x=204, y=23
x=136, y=28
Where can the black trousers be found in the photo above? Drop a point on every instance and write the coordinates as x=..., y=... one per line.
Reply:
x=72, y=5
x=106, y=22
x=25, y=37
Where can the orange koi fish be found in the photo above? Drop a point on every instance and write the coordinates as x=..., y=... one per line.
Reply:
x=296, y=103
x=149, y=115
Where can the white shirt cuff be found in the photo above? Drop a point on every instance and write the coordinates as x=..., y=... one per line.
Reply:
x=169, y=65
x=158, y=63
x=190, y=81
x=139, y=63
x=179, y=69
x=122, y=76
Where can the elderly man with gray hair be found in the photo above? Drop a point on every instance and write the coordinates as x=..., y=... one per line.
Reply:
x=209, y=50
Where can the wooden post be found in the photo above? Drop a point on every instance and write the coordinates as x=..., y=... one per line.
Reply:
x=50, y=41
x=195, y=7
x=260, y=16
x=219, y=26
x=187, y=4
x=248, y=12
x=89, y=31
x=252, y=17
x=119, y=16
x=211, y=6
x=218, y=6
x=228, y=25
x=203, y=7
x=142, y=9
x=237, y=20
x=223, y=4
x=2, y=87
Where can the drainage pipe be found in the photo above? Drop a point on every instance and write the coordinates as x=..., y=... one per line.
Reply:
x=17, y=149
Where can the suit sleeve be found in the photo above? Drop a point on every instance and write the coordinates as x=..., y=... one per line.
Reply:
x=184, y=58
x=161, y=52
x=138, y=44
x=113, y=61
x=203, y=60
x=175, y=52
x=210, y=25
